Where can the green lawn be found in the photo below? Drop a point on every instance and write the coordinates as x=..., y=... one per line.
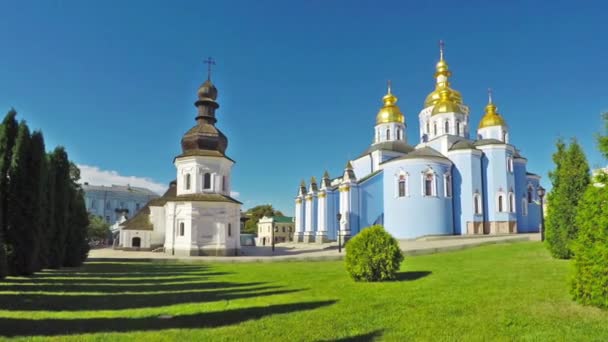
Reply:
x=497, y=292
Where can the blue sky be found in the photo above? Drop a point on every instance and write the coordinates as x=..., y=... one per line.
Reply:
x=299, y=82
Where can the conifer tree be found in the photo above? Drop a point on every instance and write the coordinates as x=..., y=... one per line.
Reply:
x=77, y=244
x=570, y=180
x=60, y=166
x=8, y=134
x=590, y=281
x=47, y=252
x=21, y=237
x=37, y=176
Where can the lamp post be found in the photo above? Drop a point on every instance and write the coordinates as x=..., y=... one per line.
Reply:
x=339, y=217
x=541, y=193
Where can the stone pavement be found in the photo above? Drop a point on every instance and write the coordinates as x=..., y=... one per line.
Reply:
x=309, y=252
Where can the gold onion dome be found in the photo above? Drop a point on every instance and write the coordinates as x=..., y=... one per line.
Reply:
x=491, y=117
x=207, y=91
x=445, y=104
x=390, y=112
x=442, y=69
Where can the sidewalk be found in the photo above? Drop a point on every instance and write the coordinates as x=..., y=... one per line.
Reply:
x=310, y=252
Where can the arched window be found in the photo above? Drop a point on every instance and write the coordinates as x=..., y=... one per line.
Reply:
x=398, y=134
x=457, y=127
x=229, y=229
x=429, y=178
x=504, y=136
x=447, y=182
x=207, y=181
x=511, y=202
x=187, y=181
x=524, y=207
x=530, y=193
x=510, y=164
x=223, y=183
x=402, y=186
x=428, y=128
x=434, y=128
x=477, y=203
x=501, y=203
x=388, y=134
x=182, y=229
x=446, y=126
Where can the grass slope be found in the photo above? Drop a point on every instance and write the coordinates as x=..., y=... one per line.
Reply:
x=498, y=292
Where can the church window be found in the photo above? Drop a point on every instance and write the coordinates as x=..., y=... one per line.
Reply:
x=511, y=202
x=182, y=229
x=398, y=134
x=504, y=136
x=187, y=181
x=207, y=181
x=223, y=183
x=402, y=186
x=388, y=134
x=457, y=127
x=447, y=127
x=530, y=193
x=229, y=229
x=477, y=203
x=501, y=203
x=429, y=179
x=510, y=164
x=448, y=185
x=434, y=128
x=428, y=128
x=524, y=207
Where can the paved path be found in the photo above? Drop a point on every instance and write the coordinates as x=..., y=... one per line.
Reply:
x=307, y=252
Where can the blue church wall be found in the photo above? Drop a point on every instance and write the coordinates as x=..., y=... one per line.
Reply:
x=521, y=195
x=416, y=215
x=534, y=207
x=362, y=166
x=466, y=175
x=496, y=178
x=371, y=204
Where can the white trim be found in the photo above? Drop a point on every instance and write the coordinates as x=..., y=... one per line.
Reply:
x=447, y=176
x=511, y=199
x=504, y=202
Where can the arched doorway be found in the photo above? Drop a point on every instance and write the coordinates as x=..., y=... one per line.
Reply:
x=136, y=242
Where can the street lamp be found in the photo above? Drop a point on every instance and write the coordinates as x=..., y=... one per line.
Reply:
x=541, y=193
x=339, y=217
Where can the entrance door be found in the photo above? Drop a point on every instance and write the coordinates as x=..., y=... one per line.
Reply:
x=136, y=242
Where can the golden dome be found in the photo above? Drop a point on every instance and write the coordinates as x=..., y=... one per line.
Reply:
x=445, y=103
x=442, y=73
x=390, y=112
x=491, y=117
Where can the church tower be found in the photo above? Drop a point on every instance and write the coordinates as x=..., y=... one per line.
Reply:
x=390, y=122
x=202, y=218
x=444, y=112
x=492, y=125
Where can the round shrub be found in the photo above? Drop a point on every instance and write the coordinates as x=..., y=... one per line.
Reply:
x=373, y=255
x=590, y=283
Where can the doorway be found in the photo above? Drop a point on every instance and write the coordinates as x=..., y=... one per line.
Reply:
x=136, y=242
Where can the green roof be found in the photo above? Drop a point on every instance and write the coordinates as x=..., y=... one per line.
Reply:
x=282, y=219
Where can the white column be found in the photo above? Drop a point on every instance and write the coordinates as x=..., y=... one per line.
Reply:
x=322, y=217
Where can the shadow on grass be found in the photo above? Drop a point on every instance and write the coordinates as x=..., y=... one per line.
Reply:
x=10, y=327
x=38, y=302
x=118, y=288
x=371, y=336
x=409, y=276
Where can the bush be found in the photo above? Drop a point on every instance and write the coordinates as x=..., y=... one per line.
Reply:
x=590, y=283
x=373, y=255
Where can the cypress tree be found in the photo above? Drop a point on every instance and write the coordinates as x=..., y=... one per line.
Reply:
x=78, y=220
x=20, y=230
x=570, y=180
x=590, y=281
x=8, y=133
x=60, y=166
x=37, y=175
x=46, y=253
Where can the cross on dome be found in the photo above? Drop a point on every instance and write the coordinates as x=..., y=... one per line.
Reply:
x=209, y=61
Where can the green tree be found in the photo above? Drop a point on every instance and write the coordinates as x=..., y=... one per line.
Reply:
x=37, y=169
x=98, y=228
x=373, y=255
x=21, y=239
x=569, y=182
x=255, y=214
x=61, y=198
x=590, y=281
x=8, y=134
x=77, y=242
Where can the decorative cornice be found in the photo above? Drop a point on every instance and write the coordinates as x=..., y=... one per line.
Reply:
x=344, y=188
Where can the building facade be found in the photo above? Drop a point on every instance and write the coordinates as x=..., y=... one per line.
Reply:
x=196, y=216
x=454, y=181
x=110, y=202
x=279, y=228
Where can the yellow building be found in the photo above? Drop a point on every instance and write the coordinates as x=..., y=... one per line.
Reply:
x=279, y=228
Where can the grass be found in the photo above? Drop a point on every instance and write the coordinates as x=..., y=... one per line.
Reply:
x=498, y=292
